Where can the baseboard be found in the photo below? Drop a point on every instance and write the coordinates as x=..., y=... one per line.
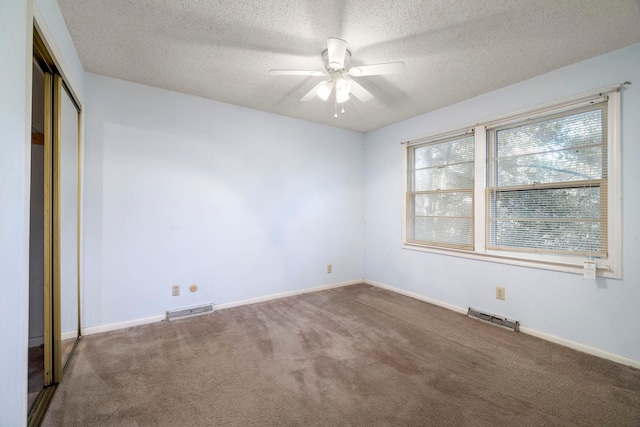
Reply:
x=154, y=319
x=581, y=347
x=122, y=325
x=529, y=331
x=285, y=294
x=418, y=296
x=69, y=335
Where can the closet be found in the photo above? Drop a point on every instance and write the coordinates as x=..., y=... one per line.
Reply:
x=54, y=259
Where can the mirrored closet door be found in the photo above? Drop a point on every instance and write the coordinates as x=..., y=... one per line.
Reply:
x=54, y=306
x=66, y=187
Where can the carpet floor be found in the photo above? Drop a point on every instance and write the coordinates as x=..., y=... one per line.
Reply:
x=351, y=356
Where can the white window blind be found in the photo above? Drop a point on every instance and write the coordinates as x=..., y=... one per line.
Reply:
x=440, y=192
x=547, y=183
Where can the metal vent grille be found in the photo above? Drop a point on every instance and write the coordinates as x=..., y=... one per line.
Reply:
x=514, y=325
x=189, y=311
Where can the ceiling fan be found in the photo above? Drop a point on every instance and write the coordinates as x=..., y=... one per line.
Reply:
x=338, y=75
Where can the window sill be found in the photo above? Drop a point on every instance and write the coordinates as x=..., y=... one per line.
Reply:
x=563, y=264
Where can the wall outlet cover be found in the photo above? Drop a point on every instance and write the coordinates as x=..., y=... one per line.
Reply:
x=175, y=290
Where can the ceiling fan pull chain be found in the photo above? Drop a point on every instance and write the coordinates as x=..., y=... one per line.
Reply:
x=335, y=107
x=343, y=107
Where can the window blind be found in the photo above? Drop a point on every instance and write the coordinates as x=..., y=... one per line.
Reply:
x=547, y=183
x=440, y=197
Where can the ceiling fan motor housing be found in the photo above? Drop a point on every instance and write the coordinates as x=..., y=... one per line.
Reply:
x=327, y=65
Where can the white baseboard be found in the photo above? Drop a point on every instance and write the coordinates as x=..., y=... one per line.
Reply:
x=581, y=347
x=418, y=296
x=285, y=294
x=122, y=325
x=154, y=319
x=529, y=331
x=69, y=335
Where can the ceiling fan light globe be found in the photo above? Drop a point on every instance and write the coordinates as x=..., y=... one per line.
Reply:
x=342, y=97
x=324, y=90
x=343, y=87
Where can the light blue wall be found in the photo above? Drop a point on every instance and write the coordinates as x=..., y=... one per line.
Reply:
x=600, y=314
x=181, y=190
x=15, y=136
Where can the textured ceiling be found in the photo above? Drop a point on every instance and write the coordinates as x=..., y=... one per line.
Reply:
x=453, y=49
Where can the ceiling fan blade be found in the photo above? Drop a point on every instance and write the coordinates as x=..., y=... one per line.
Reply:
x=377, y=69
x=296, y=73
x=359, y=92
x=336, y=50
x=311, y=94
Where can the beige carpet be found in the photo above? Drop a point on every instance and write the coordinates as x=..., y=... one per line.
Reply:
x=352, y=356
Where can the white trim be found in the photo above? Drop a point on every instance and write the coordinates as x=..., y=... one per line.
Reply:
x=405, y=187
x=609, y=267
x=69, y=335
x=284, y=294
x=153, y=319
x=448, y=306
x=50, y=42
x=614, y=185
x=529, y=331
x=575, y=266
x=581, y=347
x=122, y=325
x=479, y=199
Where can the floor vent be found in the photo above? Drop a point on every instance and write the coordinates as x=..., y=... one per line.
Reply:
x=189, y=312
x=514, y=325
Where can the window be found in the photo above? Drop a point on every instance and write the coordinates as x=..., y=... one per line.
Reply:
x=548, y=184
x=440, y=196
x=531, y=189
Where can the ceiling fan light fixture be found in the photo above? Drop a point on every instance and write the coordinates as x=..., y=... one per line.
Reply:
x=324, y=91
x=341, y=98
x=338, y=74
x=343, y=88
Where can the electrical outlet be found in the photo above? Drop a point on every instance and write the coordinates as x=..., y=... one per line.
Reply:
x=193, y=288
x=500, y=294
x=329, y=268
x=175, y=290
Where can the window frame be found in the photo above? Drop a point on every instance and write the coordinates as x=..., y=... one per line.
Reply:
x=609, y=266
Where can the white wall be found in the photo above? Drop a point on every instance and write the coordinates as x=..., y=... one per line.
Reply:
x=602, y=314
x=182, y=190
x=15, y=138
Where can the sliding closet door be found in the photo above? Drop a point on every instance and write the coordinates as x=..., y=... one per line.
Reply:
x=48, y=229
x=66, y=181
